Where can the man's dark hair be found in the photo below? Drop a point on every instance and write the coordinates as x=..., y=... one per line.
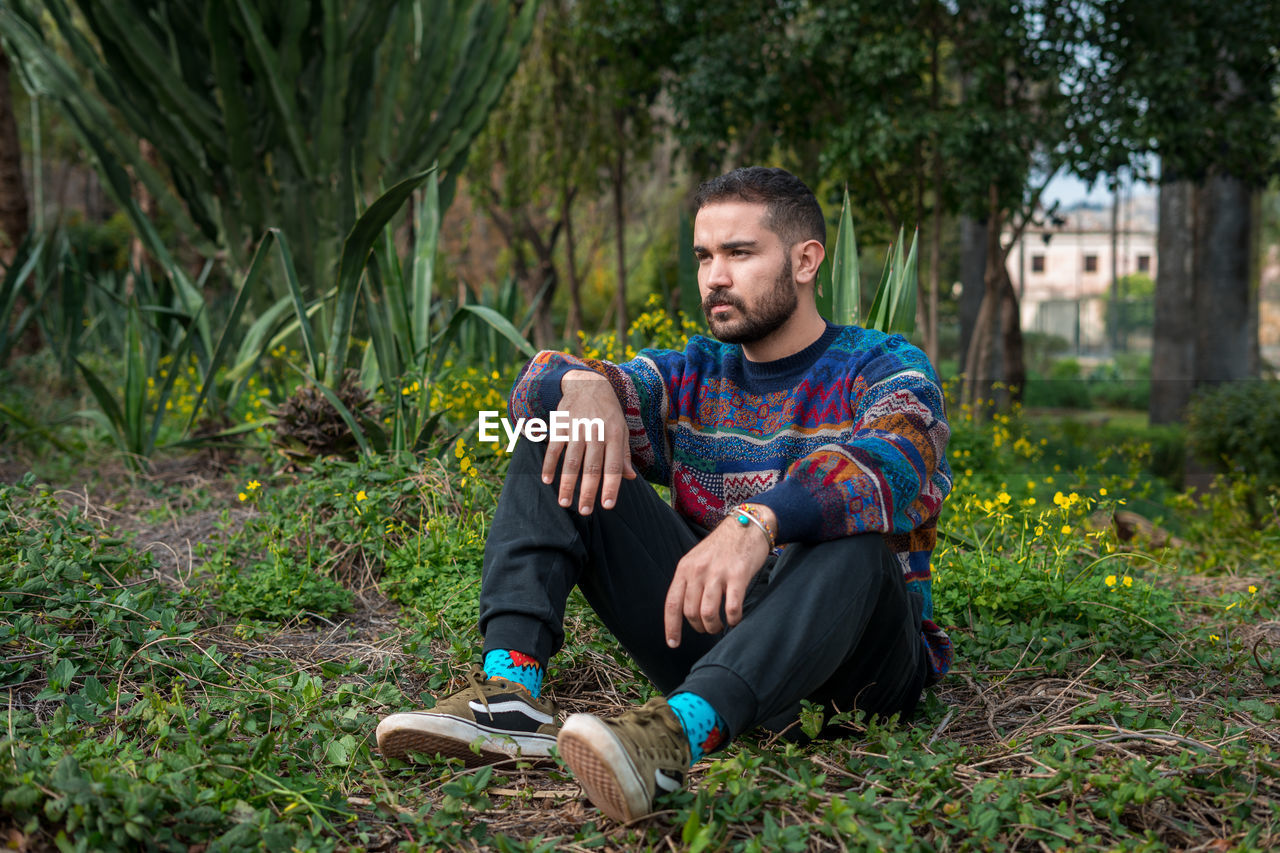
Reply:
x=791, y=211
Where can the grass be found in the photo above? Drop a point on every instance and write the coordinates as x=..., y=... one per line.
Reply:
x=183, y=667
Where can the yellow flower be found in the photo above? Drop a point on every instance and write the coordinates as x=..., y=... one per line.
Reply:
x=361, y=496
x=1039, y=530
x=1003, y=498
x=458, y=450
x=1214, y=637
x=254, y=485
x=242, y=496
x=1252, y=589
x=1110, y=580
x=1066, y=528
x=1102, y=492
x=1128, y=581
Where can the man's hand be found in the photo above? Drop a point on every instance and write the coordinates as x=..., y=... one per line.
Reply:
x=715, y=570
x=587, y=394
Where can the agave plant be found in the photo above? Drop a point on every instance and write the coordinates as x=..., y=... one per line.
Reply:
x=405, y=349
x=266, y=115
x=893, y=308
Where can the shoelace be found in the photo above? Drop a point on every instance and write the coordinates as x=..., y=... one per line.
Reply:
x=477, y=686
x=650, y=712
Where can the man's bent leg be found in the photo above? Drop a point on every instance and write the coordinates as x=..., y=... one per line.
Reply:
x=834, y=624
x=623, y=559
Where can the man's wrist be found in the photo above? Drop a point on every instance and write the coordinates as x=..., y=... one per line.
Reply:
x=760, y=517
x=590, y=374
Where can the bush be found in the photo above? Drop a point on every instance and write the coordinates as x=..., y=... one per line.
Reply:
x=1064, y=388
x=1237, y=426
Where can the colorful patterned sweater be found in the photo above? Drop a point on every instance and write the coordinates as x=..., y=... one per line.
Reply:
x=844, y=437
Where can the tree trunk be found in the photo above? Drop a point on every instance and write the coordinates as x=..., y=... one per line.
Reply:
x=573, y=324
x=1173, y=344
x=540, y=292
x=982, y=363
x=1115, y=308
x=1015, y=370
x=973, y=265
x=1222, y=281
x=14, y=210
x=620, y=243
x=935, y=236
x=146, y=205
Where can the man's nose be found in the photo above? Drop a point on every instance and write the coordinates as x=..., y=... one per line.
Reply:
x=717, y=273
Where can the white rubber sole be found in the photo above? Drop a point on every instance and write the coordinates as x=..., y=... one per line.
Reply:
x=400, y=735
x=603, y=768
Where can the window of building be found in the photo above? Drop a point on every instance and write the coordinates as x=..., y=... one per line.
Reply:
x=1037, y=263
x=1144, y=263
x=1090, y=263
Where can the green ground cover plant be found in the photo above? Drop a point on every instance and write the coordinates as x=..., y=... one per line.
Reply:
x=202, y=659
x=198, y=655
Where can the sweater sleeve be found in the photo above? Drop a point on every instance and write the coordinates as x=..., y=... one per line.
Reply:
x=644, y=388
x=889, y=474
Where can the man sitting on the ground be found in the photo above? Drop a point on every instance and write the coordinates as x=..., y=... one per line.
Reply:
x=807, y=469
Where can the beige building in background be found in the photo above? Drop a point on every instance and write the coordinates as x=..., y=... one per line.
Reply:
x=1062, y=269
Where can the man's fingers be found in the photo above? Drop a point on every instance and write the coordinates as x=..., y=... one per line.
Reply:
x=673, y=611
x=693, y=594
x=554, y=449
x=734, y=593
x=709, y=607
x=617, y=464
x=569, y=472
x=592, y=467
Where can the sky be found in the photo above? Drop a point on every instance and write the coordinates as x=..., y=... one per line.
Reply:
x=1070, y=191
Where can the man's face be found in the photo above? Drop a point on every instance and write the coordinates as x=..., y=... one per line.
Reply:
x=744, y=272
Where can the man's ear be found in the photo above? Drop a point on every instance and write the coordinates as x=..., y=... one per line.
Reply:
x=806, y=257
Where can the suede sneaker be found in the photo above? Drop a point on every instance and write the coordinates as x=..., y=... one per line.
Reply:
x=624, y=763
x=500, y=718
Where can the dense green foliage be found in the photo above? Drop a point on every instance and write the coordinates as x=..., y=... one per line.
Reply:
x=1236, y=427
x=194, y=652
x=230, y=700
x=283, y=115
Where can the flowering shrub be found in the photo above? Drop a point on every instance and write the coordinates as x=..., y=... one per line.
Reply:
x=654, y=328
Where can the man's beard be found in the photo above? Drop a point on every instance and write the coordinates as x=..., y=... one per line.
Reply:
x=774, y=310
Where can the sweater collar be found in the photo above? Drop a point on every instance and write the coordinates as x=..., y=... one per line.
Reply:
x=788, y=367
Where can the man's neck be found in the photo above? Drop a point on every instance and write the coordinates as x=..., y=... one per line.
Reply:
x=805, y=326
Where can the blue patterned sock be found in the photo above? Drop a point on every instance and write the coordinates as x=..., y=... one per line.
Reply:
x=515, y=666
x=704, y=728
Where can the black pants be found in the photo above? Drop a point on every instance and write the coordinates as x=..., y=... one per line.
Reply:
x=831, y=622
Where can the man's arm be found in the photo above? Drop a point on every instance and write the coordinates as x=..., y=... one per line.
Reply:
x=587, y=395
x=718, y=568
x=641, y=393
x=889, y=475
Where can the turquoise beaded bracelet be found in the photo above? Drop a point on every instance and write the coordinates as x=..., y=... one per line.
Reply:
x=747, y=516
